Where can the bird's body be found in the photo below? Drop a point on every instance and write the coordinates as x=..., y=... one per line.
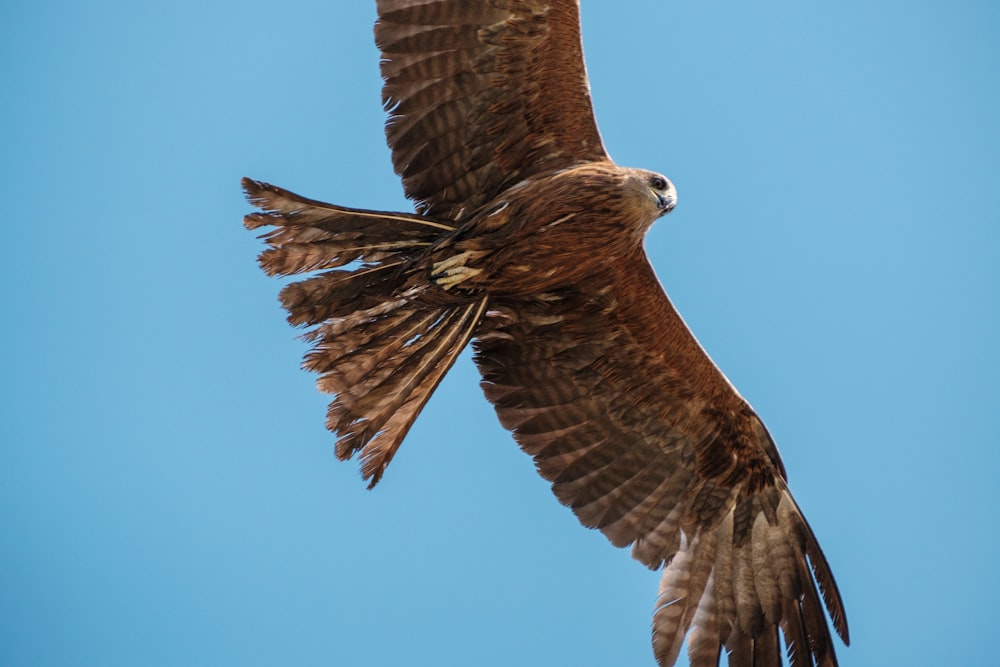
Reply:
x=546, y=233
x=529, y=241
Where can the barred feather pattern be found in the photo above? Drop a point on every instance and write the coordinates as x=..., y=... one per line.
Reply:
x=646, y=441
x=736, y=592
x=482, y=95
x=383, y=339
x=529, y=239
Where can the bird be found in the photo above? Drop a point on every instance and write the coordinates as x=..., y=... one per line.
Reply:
x=527, y=242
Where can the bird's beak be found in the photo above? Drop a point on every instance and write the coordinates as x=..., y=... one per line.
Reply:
x=666, y=202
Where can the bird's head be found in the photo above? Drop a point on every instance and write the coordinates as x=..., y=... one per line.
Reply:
x=663, y=192
x=653, y=193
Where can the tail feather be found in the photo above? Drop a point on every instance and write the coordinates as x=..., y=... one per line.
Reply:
x=310, y=235
x=366, y=347
x=373, y=415
x=339, y=292
x=383, y=337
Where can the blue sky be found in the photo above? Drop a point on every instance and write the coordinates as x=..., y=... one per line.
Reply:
x=168, y=494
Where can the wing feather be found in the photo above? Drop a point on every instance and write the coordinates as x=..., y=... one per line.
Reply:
x=645, y=439
x=481, y=95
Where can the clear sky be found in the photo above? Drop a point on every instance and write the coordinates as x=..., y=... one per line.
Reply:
x=168, y=494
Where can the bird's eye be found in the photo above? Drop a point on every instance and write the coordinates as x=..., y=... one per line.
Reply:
x=658, y=183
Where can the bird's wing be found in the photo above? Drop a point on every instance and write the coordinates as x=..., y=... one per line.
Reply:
x=644, y=439
x=481, y=95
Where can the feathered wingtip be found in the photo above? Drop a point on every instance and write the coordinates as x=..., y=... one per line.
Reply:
x=738, y=589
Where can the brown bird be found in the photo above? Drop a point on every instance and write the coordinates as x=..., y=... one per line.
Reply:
x=528, y=240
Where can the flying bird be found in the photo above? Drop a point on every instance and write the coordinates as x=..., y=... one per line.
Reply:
x=527, y=240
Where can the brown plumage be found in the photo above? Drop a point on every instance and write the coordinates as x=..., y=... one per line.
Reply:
x=528, y=240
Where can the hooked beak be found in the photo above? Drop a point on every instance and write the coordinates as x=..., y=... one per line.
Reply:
x=666, y=203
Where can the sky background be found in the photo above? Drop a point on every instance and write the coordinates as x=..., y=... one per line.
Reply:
x=168, y=494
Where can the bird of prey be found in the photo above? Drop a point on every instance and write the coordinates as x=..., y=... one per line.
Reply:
x=528, y=241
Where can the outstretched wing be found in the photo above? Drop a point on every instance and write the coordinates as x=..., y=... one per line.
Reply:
x=645, y=439
x=482, y=94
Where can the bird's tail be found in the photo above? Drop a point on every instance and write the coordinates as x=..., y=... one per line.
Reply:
x=383, y=336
